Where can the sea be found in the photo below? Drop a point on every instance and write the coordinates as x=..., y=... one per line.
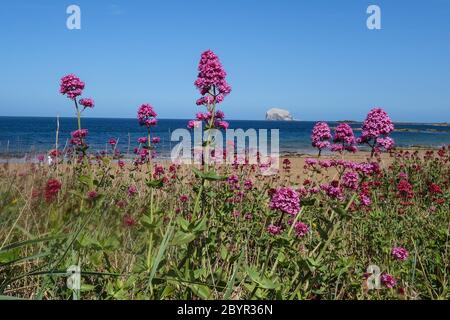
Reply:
x=26, y=137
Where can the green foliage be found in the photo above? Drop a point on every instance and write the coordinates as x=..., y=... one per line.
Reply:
x=214, y=243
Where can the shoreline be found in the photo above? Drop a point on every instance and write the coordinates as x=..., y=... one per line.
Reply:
x=299, y=154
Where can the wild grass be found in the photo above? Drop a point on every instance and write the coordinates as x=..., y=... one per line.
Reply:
x=190, y=234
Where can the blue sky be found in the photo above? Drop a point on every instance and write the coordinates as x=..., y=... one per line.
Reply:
x=314, y=58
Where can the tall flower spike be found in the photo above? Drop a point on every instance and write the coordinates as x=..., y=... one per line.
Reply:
x=320, y=136
x=211, y=80
x=147, y=116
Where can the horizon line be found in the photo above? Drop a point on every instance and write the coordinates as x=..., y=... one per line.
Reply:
x=187, y=119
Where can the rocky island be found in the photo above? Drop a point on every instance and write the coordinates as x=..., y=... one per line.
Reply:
x=278, y=115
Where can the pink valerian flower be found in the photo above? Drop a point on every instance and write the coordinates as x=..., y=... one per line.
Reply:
x=142, y=140
x=112, y=142
x=344, y=134
x=219, y=115
x=377, y=124
x=132, y=190
x=143, y=153
x=350, y=180
x=405, y=189
x=129, y=221
x=434, y=189
x=147, y=116
x=233, y=182
x=311, y=161
x=78, y=136
x=71, y=86
x=211, y=79
x=320, y=136
x=87, y=102
x=367, y=168
x=375, y=130
x=52, y=188
x=248, y=184
x=121, y=163
x=40, y=157
x=333, y=190
x=222, y=125
x=286, y=200
x=156, y=140
x=158, y=171
x=400, y=253
x=385, y=143
x=301, y=229
x=184, y=198
x=403, y=176
x=274, y=230
x=388, y=280
x=92, y=195
x=344, y=139
x=193, y=124
x=365, y=200
x=200, y=116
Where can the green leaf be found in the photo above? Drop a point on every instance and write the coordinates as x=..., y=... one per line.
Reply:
x=111, y=243
x=341, y=212
x=32, y=241
x=146, y=222
x=223, y=252
x=230, y=283
x=201, y=291
x=19, y=260
x=181, y=238
x=86, y=287
x=156, y=184
x=183, y=223
x=160, y=254
x=208, y=175
x=86, y=180
x=199, y=226
x=264, y=283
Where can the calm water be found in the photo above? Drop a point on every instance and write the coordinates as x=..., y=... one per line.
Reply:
x=20, y=136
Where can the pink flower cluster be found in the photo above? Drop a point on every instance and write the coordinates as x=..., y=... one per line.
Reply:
x=301, y=229
x=274, y=230
x=71, y=86
x=350, y=180
x=385, y=143
x=375, y=130
x=147, y=116
x=52, y=188
x=217, y=120
x=286, y=200
x=364, y=168
x=400, y=253
x=344, y=139
x=211, y=79
x=388, y=280
x=333, y=190
x=142, y=140
x=87, y=102
x=320, y=136
x=377, y=124
x=78, y=136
